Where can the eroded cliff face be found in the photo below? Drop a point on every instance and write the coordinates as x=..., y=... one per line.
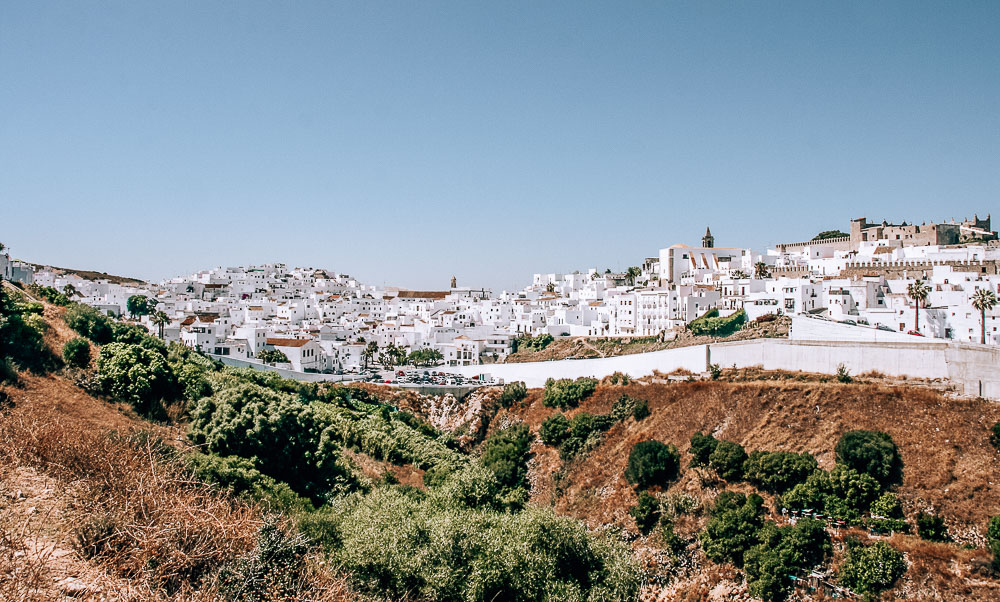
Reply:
x=467, y=418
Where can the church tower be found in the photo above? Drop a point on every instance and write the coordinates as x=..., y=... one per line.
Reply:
x=708, y=241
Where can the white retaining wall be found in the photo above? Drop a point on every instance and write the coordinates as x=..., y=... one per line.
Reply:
x=974, y=368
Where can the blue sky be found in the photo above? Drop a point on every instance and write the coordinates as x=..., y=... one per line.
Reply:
x=408, y=142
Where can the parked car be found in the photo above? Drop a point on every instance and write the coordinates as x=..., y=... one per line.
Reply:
x=914, y=332
x=885, y=328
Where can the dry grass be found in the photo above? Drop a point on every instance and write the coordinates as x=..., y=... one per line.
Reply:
x=128, y=508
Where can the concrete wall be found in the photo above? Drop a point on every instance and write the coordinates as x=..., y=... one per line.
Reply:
x=814, y=329
x=311, y=377
x=974, y=368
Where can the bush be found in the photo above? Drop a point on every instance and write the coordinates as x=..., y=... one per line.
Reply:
x=505, y=453
x=652, y=463
x=641, y=410
x=513, y=393
x=711, y=325
x=777, y=472
x=702, y=446
x=733, y=528
x=932, y=528
x=554, y=430
x=90, y=323
x=887, y=514
x=993, y=540
x=782, y=552
x=272, y=356
x=398, y=546
x=871, y=569
x=529, y=343
x=76, y=353
x=279, y=433
x=646, y=512
x=995, y=436
x=566, y=393
x=872, y=453
x=727, y=460
x=239, y=477
x=842, y=493
x=137, y=376
x=843, y=376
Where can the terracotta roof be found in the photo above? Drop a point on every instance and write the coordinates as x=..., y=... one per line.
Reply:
x=256, y=308
x=188, y=321
x=208, y=318
x=214, y=285
x=287, y=342
x=422, y=294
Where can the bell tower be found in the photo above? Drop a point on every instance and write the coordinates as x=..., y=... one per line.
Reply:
x=708, y=241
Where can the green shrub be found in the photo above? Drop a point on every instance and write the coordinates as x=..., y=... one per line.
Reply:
x=90, y=323
x=566, y=393
x=932, y=528
x=710, y=324
x=887, y=514
x=76, y=353
x=993, y=540
x=239, y=477
x=995, y=435
x=505, y=453
x=843, y=376
x=777, y=472
x=278, y=432
x=872, y=453
x=641, y=410
x=554, y=429
x=732, y=530
x=530, y=343
x=398, y=546
x=513, y=393
x=272, y=356
x=651, y=463
x=782, y=552
x=869, y=570
x=842, y=493
x=646, y=512
x=727, y=460
x=702, y=446
x=137, y=376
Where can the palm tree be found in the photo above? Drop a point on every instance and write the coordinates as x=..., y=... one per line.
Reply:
x=760, y=271
x=982, y=300
x=370, y=352
x=631, y=274
x=160, y=319
x=550, y=287
x=917, y=291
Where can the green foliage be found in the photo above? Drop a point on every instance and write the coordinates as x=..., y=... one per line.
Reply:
x=712, y=325
x=995, y=435
x=424, y=357
x=566, y=393
x=505, y=453
x=554, y=429
x=618, y=378
x=777, y=472
x=280, y=434
x=842, y=493
x=90, y=323
x=826, y=234
x=275, y=570
x=843, y=376
x=272, y=356
x=646, y=512
x=513, y=393
x=873, y=453
x=652, y=463
x=715, y=371
x=50, y=294
x=641, y=410
x=932, y=528
x=871, y=569
x=239, y=476
x=702, y=446
x=139, y=305
x=400, y=546
x=993, y=540
x=887, y=514
x=727, y=460
x=76, y=353
x=733, y=528
x=135, y=375
x=21, y=337
x=530, y=343
x=782, y=552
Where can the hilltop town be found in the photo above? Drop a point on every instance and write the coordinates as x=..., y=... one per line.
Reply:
x=325, y=321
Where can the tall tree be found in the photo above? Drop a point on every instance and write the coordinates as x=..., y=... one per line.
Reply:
x=760, y=271
x=139, y=305
x=160, y=319
x=631, y=274
x=983, y=299
x=918, y=291
x=370, y=352
x=69, y=290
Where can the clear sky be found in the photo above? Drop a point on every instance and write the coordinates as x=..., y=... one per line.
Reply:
x=408, y=142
